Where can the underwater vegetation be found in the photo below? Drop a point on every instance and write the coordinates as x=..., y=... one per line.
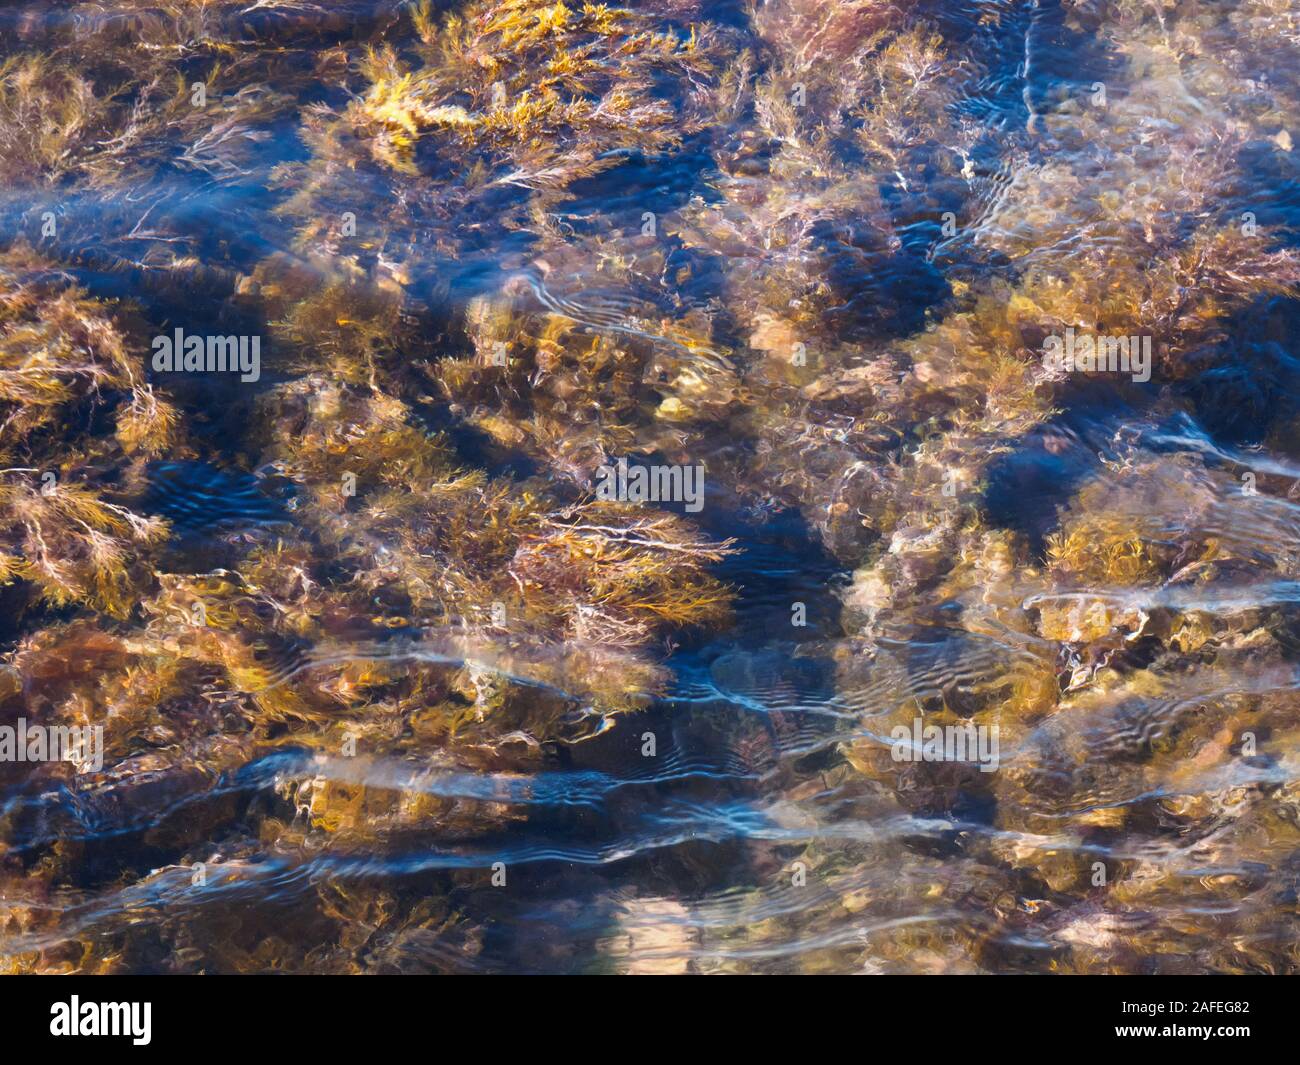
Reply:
x=378, y=679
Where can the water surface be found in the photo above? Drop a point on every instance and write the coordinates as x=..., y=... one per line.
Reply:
x=384, y=688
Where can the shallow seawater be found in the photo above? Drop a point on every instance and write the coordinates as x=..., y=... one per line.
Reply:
x=933, y=655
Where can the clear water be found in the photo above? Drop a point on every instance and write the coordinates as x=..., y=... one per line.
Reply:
x=1105, y=571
